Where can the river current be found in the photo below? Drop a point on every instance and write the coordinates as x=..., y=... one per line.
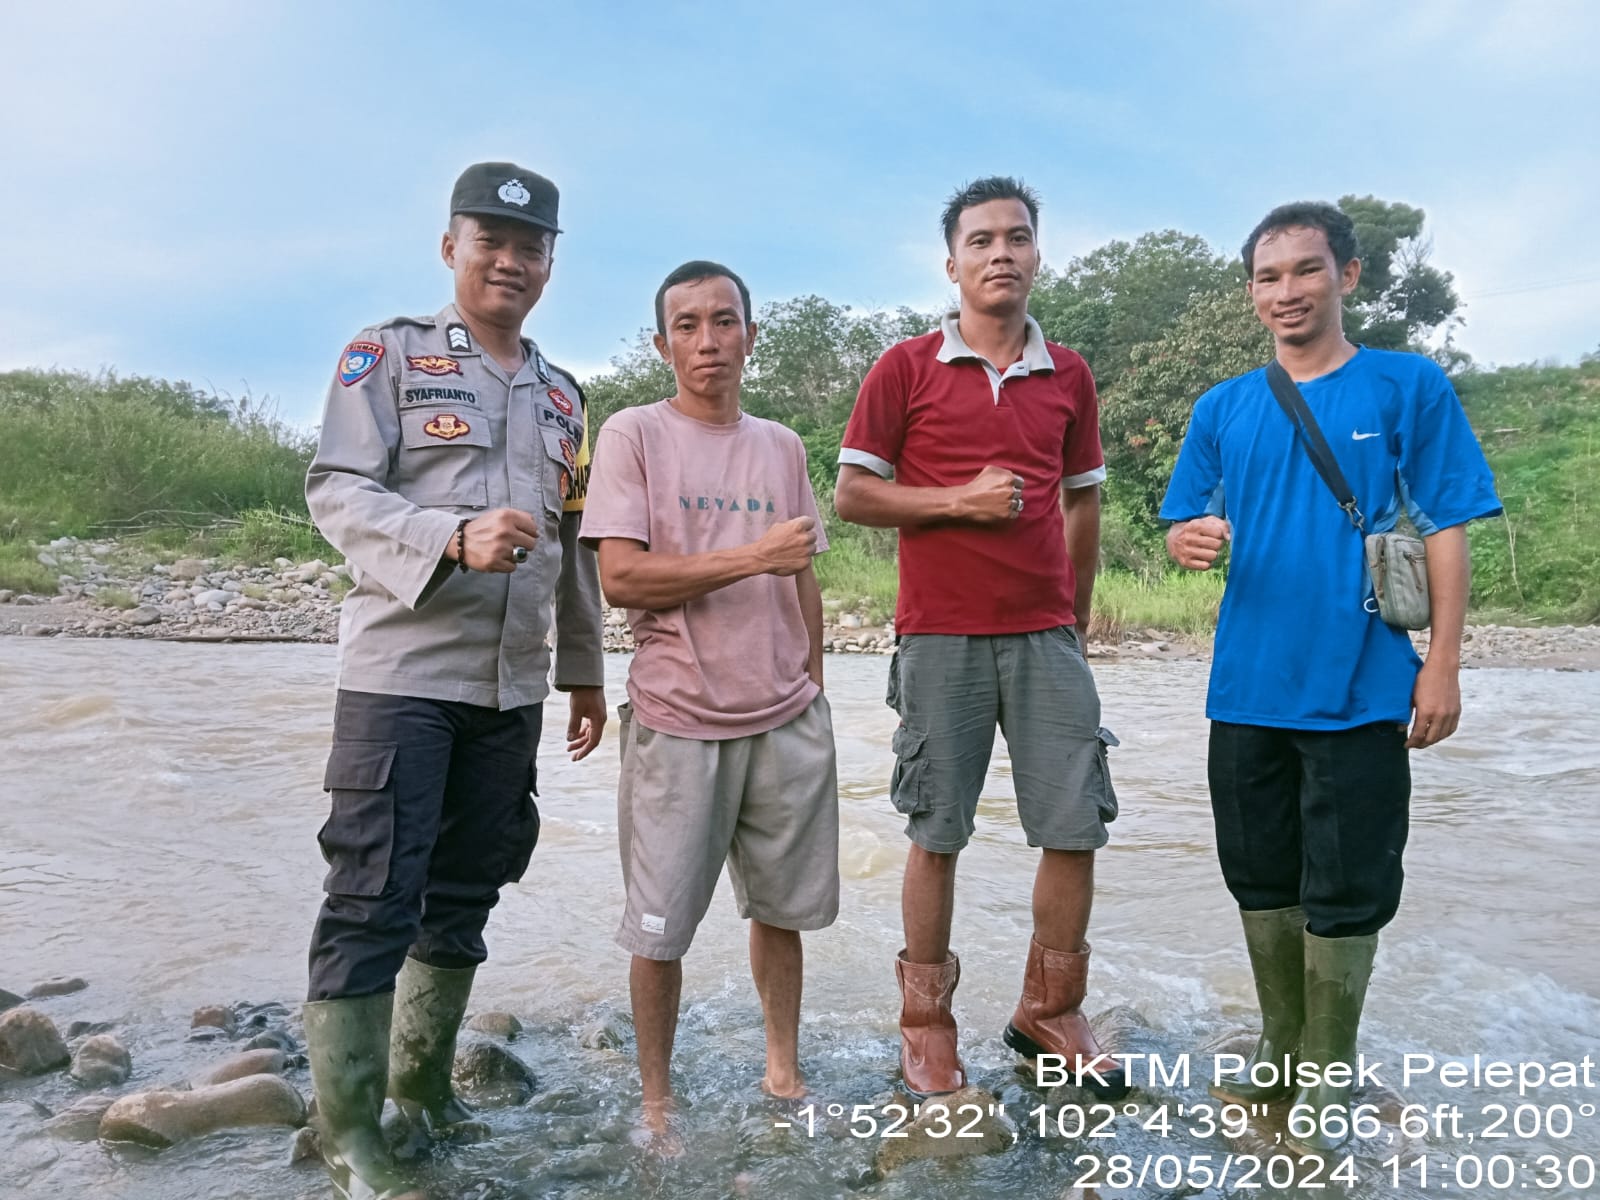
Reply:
x=158, y=807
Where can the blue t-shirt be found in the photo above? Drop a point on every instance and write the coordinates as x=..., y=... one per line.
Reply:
x=1296, y=647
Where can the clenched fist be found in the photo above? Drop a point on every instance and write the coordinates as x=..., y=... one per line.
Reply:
x=493, y=538
x=1194, y=545
x=993, y=495
x=787, y=548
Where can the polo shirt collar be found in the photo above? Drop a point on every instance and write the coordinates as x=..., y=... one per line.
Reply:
x=1035, y=355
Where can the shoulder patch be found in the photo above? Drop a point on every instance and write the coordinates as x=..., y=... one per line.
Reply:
x=357, y=361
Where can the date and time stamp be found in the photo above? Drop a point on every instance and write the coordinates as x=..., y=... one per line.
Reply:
x=1525, y=1127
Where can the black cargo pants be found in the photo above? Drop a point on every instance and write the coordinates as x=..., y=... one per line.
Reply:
x=432, y=812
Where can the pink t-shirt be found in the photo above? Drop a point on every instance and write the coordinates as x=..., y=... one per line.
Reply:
x=732, y=663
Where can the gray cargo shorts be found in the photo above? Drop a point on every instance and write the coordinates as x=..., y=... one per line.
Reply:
x=951, y=691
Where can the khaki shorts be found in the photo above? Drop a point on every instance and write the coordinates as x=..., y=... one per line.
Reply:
x=767, y=804
x=952, y=690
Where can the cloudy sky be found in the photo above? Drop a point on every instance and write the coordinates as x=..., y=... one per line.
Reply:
x=226, y=193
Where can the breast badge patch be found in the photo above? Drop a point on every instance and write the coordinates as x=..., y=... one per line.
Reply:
x=357, y=361
x=446, y=426
x=559, y=399
x=433, y=364
x=570, y=453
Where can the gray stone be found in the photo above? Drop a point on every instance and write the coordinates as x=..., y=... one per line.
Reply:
x=972, y=1112
x=188, y=568
x=306, y=572
x=80, y=1029
x=487, y=1073
x=26, y=601
x=8, y=1000
x=6, y=595
x=496, y=1024
x=164, y=1118
x=251, y=1062
x=30, y=1043
x=143, y=615
x=305, y=1146
x=39, y=631
x=213, y=596
x=607, y=1032
x=273, y=1039
x=101, y=1061
x=80, y=1122
x=46, y=559
x=215, y=1016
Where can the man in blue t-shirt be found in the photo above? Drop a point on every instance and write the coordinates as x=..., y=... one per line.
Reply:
x=1314, y=700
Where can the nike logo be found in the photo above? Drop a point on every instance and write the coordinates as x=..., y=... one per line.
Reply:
x=1360, y=437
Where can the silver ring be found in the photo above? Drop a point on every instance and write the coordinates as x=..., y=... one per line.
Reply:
x=519, y=554
x=1016, y=504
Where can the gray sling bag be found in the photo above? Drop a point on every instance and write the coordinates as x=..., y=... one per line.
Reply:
x=1397, y=563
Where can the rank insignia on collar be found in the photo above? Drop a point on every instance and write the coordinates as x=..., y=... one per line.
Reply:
x=559, y=399
x=433, y=364
x=357, y=361
x=541, y=367
x=447, y=426
x=457, y=337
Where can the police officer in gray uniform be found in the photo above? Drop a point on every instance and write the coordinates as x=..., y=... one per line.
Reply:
x=448, y=473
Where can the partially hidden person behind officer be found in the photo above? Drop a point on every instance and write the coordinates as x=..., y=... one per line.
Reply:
x=980, y=441
x=448, y=474
x=1311, y=691
x=706, y=527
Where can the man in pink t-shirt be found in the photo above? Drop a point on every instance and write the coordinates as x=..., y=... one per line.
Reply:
x=706, y=525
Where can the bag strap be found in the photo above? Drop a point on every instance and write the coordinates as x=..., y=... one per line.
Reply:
x=1299, y=413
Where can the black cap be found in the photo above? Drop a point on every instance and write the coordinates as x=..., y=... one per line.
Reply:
x=500, y=189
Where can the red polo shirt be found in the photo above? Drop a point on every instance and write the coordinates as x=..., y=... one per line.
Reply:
x=933, y=413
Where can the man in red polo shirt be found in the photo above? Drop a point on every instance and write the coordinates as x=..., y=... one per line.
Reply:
x=981, y=443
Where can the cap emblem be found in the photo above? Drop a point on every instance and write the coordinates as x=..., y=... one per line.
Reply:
x=512, y=192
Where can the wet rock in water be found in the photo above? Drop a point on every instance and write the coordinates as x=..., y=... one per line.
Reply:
x=8, y=1000
x=305, y=1145
x=960, y=1125
x=274, y=1039
x=80, y=1122
x=164, y=1118
x=487, y=1073
x=101, y=1061
x=607, y=1032
x=80, y=1029
x=62, y=985
x=251, y=1062
x=214, y=1016
x=30, y=1043
x=496, y=1024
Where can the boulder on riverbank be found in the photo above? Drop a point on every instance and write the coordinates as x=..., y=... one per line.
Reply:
x=166, y=1117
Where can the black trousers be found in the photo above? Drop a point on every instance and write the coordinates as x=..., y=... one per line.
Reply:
x=432, y=812
x=1315, y=819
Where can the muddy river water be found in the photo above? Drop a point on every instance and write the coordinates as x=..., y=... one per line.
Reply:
x=158, y=806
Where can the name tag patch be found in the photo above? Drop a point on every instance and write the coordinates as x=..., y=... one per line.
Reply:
x=438, y=395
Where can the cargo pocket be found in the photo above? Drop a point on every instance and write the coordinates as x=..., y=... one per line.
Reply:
x=358, y=836
x=906, y=786
x=1107, y=799
x=523, y=835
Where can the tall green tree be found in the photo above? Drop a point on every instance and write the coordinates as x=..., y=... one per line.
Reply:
x=1401, y=297
x=1125, y=294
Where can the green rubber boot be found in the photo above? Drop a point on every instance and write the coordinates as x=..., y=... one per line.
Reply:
x=1275, y=938
x=429, y=1003
x=347, y=1041
x=1337, y=970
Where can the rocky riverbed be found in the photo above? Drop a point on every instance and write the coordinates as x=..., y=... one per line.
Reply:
x=108, y=590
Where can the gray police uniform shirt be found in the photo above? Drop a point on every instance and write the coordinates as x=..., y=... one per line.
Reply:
x=421, y=429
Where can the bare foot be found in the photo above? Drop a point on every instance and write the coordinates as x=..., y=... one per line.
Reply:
x=658, y=1131
x=784, y=1085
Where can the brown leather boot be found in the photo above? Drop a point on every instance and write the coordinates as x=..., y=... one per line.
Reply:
x=1048, y=1020
x=929, y=1061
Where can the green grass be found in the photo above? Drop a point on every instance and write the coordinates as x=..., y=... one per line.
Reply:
x=105, y=454
x=264, y=534
x=115, y=597
x=1183, y=602
x=21, y=570
x=847, y=573
x=1540, y=428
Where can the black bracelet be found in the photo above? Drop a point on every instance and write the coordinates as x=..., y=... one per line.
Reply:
x=461, y=545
